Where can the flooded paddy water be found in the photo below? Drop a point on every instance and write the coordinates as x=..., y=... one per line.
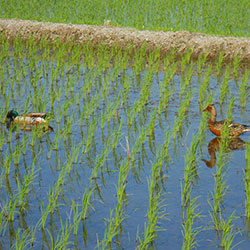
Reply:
x=131, y=162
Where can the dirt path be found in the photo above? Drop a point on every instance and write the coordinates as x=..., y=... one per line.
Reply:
x=181, y=41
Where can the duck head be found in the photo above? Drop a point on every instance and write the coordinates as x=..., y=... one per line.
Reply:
x=11, y=115
x=209, y=108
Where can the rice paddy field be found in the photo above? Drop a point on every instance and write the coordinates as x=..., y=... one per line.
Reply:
x=131, y=163
x=219, y=17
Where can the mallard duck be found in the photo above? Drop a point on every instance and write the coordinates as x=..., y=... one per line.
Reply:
x=27, y=121
x=216, y=127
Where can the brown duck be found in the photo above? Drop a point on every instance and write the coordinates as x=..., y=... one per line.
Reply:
x=216, y=127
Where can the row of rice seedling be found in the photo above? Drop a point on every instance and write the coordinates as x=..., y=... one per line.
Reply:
x=189, y=203
x=114, y=224
x=223, y=227
x=156, y=205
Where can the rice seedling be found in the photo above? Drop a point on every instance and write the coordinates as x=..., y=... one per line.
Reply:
x=24, y=189
x=224, y=86
x=7, y=164
x=186, y=79
x=11, y=208
x=138, y=145
x=219, y=65
x=205, y=85
x=61, y=241
x=86, y=203
x=182, y=113
x=99, y=161
x=76, y=217
x=54, y=194
x=230, y=110
x=167, y=138
x=109, y=234
x=219, y=192
x=243, y=89
x=155, y=210
x=165, y=94
x=90, y=138
x=190, y=171
x=228, y=234
x=236, y=63
x=140, y=56
x=200, y=63
x=189, y=204
x=113, y=225
x=3, y=221
x=190, y=233
x=22, y=241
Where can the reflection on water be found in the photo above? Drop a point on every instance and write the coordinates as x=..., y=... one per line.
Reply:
x=214, y=146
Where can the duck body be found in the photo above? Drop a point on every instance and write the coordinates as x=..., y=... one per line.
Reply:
x=27, y=121
x=216, y=127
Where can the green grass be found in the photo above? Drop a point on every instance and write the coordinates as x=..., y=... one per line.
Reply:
x=229, y=18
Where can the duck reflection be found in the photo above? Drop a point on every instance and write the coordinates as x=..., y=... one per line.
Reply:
x=214, y=146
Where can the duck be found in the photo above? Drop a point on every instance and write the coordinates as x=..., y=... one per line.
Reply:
x=27, y=121
x=216, y=127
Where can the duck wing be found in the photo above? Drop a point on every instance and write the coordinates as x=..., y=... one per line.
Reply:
x=219, y=125
x=42, y=115
x=236, y=129
x=235, y=125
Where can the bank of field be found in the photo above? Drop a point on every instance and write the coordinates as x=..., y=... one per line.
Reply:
x=213, y=49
